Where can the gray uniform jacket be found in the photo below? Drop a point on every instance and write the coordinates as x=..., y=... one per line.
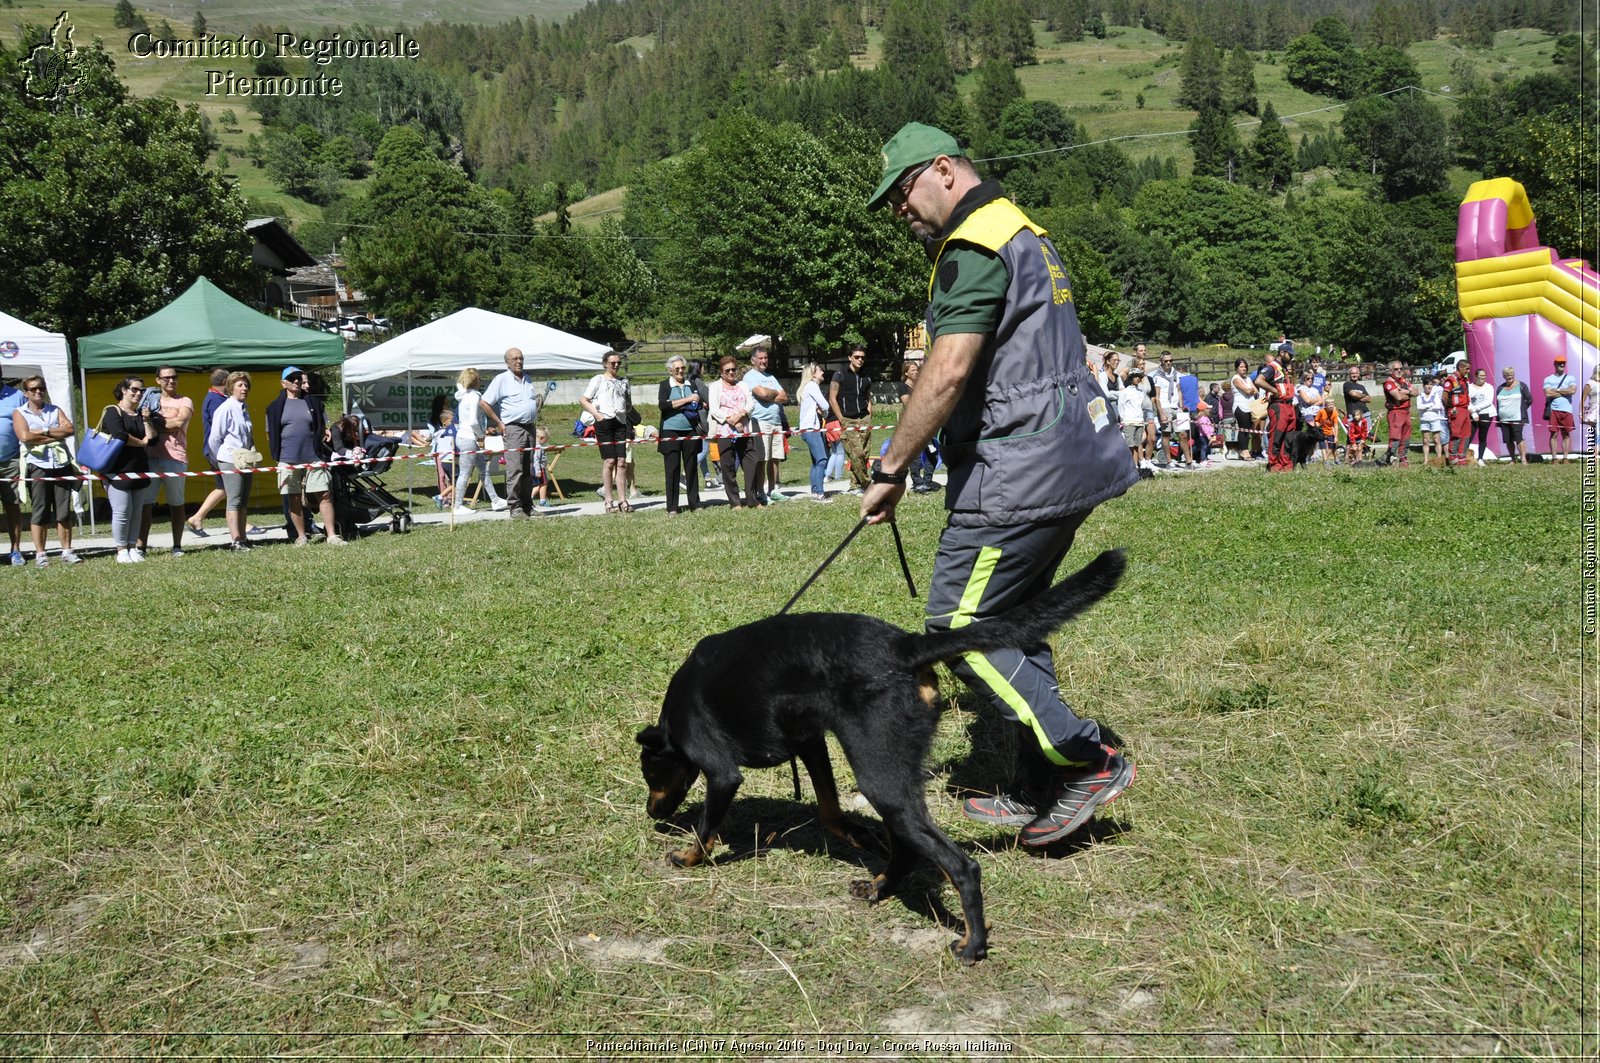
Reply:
x=1032, y=436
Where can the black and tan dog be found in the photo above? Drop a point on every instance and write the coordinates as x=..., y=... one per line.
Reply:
x=762, y=693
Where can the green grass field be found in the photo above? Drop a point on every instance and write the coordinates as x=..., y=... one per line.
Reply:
x=386, y=799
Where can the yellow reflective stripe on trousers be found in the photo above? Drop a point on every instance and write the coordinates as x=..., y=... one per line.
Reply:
x=971, y=595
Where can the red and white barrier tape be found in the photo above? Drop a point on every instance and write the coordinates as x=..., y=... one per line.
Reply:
x=559, y=447
x=80, y=477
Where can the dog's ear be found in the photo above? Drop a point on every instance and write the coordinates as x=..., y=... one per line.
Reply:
x=652, y=739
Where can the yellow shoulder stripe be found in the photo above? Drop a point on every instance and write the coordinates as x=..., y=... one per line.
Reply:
x=991, y=226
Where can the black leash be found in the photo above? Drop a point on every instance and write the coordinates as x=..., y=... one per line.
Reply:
x=905, y=568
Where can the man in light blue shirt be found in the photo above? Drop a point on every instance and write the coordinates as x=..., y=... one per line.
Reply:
x=512, y=403
x=1559, y=389
x=10, y=399
x=769, y=397
x=1319, y=376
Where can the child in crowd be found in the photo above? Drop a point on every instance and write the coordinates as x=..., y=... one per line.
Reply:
x=444, y=458
x=1430, y=404
x=1327, y=422
x=1357, y=431
x=1132, y=403
x=642, y=433
x=1181, y=431
x=346, y=439
x=541, y=466
x=1204, y=434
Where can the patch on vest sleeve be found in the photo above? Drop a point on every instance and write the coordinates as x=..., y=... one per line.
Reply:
x=948, y=270
x=1098, y=414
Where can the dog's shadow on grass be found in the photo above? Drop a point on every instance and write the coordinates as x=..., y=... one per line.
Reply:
x=757, y=825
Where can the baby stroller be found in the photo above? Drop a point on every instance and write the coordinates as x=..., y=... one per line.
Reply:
x=359, y=495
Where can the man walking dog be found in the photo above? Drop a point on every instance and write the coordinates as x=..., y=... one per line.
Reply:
x=1031, y=449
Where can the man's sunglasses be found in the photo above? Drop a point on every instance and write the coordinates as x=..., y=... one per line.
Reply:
x=902, y=188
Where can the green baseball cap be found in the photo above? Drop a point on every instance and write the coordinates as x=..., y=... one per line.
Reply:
x=913, y=145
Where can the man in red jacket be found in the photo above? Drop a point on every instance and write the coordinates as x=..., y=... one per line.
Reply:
x=1397, y=393
x=1274, y=378
x=1460, y=417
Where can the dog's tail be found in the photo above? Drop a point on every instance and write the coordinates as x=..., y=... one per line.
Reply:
x=1026, y=625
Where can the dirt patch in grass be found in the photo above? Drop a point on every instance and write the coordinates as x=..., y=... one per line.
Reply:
x=621, y=950
x=923, y=942
x=305, y=959
x=55, y=933
x=954, y=1013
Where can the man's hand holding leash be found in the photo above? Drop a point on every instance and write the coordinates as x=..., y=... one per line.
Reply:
x=877, y=504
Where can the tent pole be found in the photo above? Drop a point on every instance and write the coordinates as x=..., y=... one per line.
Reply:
x=88, y=485
x=410, y=464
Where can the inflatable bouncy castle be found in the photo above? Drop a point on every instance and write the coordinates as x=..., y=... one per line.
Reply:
x=1523, y=305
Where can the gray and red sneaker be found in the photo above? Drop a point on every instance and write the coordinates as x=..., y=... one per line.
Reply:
x=1001, y=810
x=1075, y=798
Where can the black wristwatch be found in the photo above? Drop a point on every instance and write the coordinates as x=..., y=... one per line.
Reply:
x=881, y=477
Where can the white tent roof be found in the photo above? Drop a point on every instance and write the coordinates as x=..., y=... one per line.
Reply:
x=475, y=339
x=36, y=352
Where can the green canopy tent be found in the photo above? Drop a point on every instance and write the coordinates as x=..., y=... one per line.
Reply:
x=203, y=329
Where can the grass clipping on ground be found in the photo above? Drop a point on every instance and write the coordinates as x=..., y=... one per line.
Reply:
x=393, y=790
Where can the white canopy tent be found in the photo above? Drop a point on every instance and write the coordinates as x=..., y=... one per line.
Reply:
x=428, y=358
x=27, y=350
x=475, y=339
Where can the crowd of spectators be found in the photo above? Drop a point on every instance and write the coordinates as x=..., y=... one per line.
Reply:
x=1325, y=419
x=149, y=429
x=729, y=434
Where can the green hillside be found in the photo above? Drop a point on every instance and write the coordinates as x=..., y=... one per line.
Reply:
x=183, y=80
x=1120, y=87
x=237, y=16
x=1099, y=82
x=484, y=131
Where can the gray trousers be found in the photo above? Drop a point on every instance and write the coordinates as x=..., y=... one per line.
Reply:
x=127, y=509
x=982, y=572
x=519, y=468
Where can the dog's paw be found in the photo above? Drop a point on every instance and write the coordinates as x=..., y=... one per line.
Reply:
x=690, y=857
x=970, y=948
x=870, y=890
